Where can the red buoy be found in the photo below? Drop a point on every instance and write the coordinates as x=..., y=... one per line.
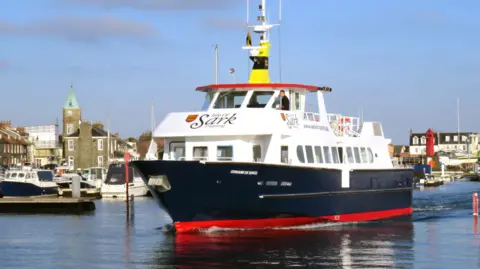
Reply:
x=430, y=151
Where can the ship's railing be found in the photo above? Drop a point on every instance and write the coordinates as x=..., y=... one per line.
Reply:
x=311, y=116
x=344, y=125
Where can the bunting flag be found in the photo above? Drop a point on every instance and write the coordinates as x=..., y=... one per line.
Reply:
x=249, y=39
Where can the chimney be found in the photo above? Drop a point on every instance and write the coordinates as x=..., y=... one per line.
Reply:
x=411, y=131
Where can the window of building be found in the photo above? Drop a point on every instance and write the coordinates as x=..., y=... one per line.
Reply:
x=71, y=145
x=300, y=155
x=257, y=153
x=100, y=161
x=231, y=99
x=318, y=154
x=415, y=140
x=309, y=152
x=100, y=144
x=69, y=128
x=464, y=138
x=71, y=162
x=447, y=138
x=326, y=154
x=225, y=153
x=200, y=153
x=335, y=157
x=356, y=153
x=424, y=140
x=350, y=158
x=455, y=138
x=284, y=154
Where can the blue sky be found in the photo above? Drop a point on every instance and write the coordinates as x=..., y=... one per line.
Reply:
x=403, y=62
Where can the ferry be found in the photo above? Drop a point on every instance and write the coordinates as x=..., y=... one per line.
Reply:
x=250, y=160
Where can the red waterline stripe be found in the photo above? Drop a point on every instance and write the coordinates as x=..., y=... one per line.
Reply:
x=194, y=226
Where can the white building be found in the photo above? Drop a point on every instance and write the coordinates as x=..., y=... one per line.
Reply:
x=47, y=146
x=465, y=142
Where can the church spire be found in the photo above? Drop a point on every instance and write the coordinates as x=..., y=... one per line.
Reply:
x=71, y=100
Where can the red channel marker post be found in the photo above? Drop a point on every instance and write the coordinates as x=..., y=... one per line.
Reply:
x=475, y=203
x=126, y=157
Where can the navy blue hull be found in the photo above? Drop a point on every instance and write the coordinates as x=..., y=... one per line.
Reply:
x=246, y=191
x=9, y=188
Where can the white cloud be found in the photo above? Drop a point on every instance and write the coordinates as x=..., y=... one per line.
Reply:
x=80, y=29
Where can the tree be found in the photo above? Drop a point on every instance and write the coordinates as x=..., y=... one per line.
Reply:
x=132, y=140
x=145, y=136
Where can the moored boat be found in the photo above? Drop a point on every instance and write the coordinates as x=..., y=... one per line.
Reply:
x=254, y=158
x=30, y=182
x=114, y=185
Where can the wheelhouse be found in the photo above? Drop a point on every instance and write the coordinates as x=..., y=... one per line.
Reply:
x=266, y=96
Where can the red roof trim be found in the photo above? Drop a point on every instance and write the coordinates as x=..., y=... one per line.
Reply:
x=264, y=85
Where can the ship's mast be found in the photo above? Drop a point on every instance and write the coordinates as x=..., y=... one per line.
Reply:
x=259, y=54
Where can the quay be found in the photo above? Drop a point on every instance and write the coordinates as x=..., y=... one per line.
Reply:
x=51, y=205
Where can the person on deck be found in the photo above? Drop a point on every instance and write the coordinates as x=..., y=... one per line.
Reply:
x=284, y=102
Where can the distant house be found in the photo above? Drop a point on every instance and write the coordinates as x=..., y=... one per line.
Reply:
x=13, y=145
x=446, y=142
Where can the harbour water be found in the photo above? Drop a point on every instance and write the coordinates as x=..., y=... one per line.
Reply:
x=441, y=234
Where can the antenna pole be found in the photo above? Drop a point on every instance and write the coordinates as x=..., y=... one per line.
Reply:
x=216, y=64
x=280, y=39
x=458, y=119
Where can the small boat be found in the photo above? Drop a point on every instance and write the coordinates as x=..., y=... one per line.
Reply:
x=29, y=182
x=94, y=175
x=114, y=185
x=431, y=181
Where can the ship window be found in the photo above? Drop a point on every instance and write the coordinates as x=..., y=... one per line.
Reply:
x=309, y=152
x=178, y=151
x=369, y=155
x=297, y=101
x=350, y=155
x=340, y=154
x=318, y=154
x=224, y=153
x=326, y=154
x=208, y=100
x=231, y=99
x=200, y=153
x=260, y=99
x=21, y=175
x=363, y=152
x=356, y=152
x=335, y=157
x=257, y=153
x=300, y=156
x=284, y=154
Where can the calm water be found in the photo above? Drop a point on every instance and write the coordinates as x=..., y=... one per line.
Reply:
x=441, y=235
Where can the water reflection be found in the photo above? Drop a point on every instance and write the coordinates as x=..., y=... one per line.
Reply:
x=387, y=245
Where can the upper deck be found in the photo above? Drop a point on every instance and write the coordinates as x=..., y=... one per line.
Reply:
x=256, y=95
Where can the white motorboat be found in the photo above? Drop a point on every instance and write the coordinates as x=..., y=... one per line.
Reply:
x=114, y=185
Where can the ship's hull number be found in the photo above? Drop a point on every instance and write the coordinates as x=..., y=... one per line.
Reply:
x=275, y=183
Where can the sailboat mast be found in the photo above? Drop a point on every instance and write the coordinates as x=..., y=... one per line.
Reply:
x=458, y=120
x=108, y=139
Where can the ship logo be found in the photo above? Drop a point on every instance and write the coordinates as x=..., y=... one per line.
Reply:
x=283, y=116
x=191, y=118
